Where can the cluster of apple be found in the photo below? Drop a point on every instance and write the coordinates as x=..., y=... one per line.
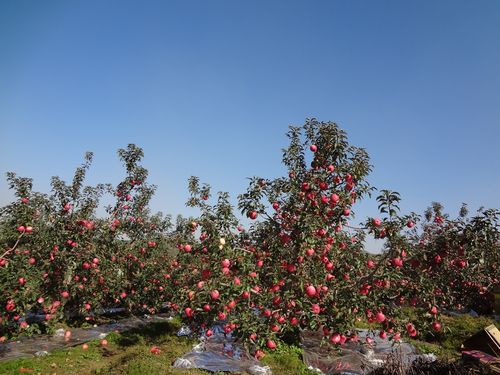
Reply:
x=300, y=264
x=61, y=261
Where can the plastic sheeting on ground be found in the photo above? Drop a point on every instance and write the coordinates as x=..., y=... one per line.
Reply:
x=220, y=352
x=357, y=358
x=43, y=344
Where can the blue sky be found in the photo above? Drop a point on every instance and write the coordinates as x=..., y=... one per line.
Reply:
x=208, y=88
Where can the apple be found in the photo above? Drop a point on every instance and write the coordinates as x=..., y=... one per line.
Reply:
x=271, y=344
x=397, y=262
x=436, y=326
x=335, y=338
x=215, y=294
x=380, y=317
x=252, y=215
x=310, y=291
x=316, y=309
x=259, y=354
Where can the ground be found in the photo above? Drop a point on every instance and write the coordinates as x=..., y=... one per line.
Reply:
x=129, y=352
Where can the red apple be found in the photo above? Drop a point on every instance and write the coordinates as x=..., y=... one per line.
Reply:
x=271, y=344
x=310, y=291
x=380, y=317
x=215, y=294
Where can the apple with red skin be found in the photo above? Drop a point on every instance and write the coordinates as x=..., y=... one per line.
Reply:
x=252, y=215
x=214, y=294
x=310, y=252
x=271, y=345
x=259, y=354
x=380, y=317
x=313, y=148
x=397, y=262
x=311, y=291
x=335, y=338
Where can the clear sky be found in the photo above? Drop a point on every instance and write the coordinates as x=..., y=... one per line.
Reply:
x=208, y=88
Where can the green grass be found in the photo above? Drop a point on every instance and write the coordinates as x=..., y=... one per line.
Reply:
x=456, y=330
x=129, y=352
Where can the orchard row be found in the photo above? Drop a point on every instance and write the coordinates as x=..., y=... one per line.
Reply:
x=300, y=265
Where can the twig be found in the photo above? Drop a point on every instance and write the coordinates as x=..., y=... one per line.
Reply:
x=13, y=247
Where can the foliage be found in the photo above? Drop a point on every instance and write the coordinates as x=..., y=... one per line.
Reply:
x=60, y=261
x=300, y=265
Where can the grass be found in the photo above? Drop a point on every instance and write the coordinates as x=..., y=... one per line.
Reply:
x=129, y=352
x=456, y=330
